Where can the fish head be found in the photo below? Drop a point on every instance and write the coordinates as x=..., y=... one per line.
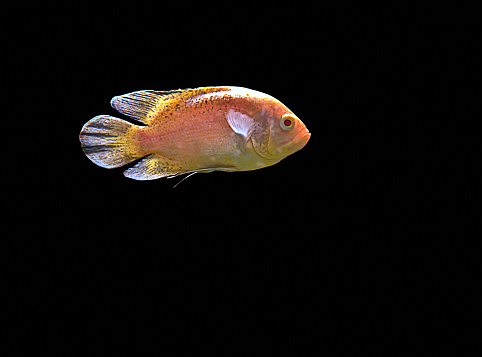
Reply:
x=282, y=133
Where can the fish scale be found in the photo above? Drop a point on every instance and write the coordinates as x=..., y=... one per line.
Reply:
x=194, y=130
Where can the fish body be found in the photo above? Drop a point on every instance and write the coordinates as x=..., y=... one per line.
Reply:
x=194, y=130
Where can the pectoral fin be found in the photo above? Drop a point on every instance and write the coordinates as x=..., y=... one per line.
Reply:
x=241, y=124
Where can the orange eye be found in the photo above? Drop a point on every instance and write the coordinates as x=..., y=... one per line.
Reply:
x=287, y=122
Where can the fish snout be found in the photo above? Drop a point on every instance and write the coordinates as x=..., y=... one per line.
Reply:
x=300, y=139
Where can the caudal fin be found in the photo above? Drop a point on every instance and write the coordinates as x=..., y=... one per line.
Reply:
x=108, y=141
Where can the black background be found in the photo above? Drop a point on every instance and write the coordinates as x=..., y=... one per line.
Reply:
x=332, y=250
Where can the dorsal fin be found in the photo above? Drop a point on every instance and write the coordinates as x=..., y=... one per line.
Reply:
x=147, y=104
x=143, y=105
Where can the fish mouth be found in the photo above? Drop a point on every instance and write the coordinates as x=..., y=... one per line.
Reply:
x=299, y=140
x=304, y=139
x=290, y=146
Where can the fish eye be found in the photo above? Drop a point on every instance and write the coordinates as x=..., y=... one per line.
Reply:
x=287, y=122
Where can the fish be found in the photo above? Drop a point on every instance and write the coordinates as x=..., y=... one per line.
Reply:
x=197, y=130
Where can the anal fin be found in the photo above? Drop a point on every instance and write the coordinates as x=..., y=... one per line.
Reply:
x=153, y=167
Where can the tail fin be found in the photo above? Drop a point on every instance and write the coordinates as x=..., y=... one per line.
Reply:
x=108, y=141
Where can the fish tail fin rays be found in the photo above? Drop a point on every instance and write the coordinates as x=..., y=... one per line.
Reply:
x=109, y=142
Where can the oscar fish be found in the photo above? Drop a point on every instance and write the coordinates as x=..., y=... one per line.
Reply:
x=194, y=130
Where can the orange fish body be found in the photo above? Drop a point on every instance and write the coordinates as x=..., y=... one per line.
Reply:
x=194, y=130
